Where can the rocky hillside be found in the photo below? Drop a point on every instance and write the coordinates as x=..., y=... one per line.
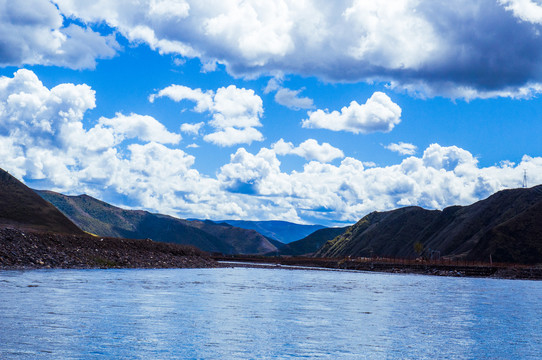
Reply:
x=22, y=208
x=103, y=219
x=507, y=226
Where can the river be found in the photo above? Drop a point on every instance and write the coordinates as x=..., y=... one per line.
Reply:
x=244, y=313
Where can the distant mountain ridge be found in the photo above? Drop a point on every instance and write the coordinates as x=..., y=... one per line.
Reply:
x=311, y=243
x=22, y=208
x=103, y=219
x=507, y=226
x=282, y=231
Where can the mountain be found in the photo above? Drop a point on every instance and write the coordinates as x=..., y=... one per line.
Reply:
x=282, y=231
x=22, y=208
x=244, y=241
x=507, y=226
x=103, y=219
x=311, y=243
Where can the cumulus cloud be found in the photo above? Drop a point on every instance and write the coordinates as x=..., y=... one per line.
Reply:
x=402, y=148
x=33, y=33
x=43, y=137
x=423, y=46
x=379, y=113
x=44, y=140
x=143, y=127
x=441, y=177
x=309, y=149
x=235, y=112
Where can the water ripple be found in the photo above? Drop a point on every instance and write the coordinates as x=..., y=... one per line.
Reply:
x=240, y=313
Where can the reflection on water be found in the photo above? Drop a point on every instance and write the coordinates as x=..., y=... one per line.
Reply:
x=245, y=313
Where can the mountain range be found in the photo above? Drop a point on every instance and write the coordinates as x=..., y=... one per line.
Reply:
x=506, y=227
x=311, y=243
x=103, y=219
x=35, y=234
x=283, y=231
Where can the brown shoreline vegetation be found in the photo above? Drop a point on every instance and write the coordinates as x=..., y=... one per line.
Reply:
x=21, y=249
x=404, y=266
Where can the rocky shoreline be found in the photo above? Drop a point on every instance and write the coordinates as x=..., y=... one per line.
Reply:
x=20, y=249
x=500, y=271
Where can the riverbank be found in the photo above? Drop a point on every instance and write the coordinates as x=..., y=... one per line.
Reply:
x=21, y=249
x=401, y=266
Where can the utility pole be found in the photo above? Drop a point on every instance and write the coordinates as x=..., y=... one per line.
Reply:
x=524, y=178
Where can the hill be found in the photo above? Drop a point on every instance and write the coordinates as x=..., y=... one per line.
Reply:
x=507, y=226
x=244, y=241
x=311, y=243
x=22, y=208
x=282, y=231
x=35, y=234
x=103, y=219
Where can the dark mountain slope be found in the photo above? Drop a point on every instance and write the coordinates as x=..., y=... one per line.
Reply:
x=103, y=219
x=282, y=231
x=22, y=208
x=387, y=233
x=311, y=243
x=517, y=240
x=503, y=225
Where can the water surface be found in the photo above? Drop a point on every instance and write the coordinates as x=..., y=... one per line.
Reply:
x=243, y=313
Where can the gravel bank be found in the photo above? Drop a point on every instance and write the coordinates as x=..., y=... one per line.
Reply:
x=21, y=249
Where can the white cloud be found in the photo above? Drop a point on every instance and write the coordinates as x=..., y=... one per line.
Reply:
x=292, y=100
x=379, y=113
x=526, y=10
x=430, y=48
x=254, y=174
x=229, y=136
x=422, y=89
x=441, y=177
x=309, y=149
x=235, y=112
x=402, y=148
x=33, y=33
x=192, y=128
x=43, y=140
x=143, y=127
x=287, y=97
x=274, y=84
x=203, y=100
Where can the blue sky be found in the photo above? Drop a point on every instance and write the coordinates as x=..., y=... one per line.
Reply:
x=311, y=112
